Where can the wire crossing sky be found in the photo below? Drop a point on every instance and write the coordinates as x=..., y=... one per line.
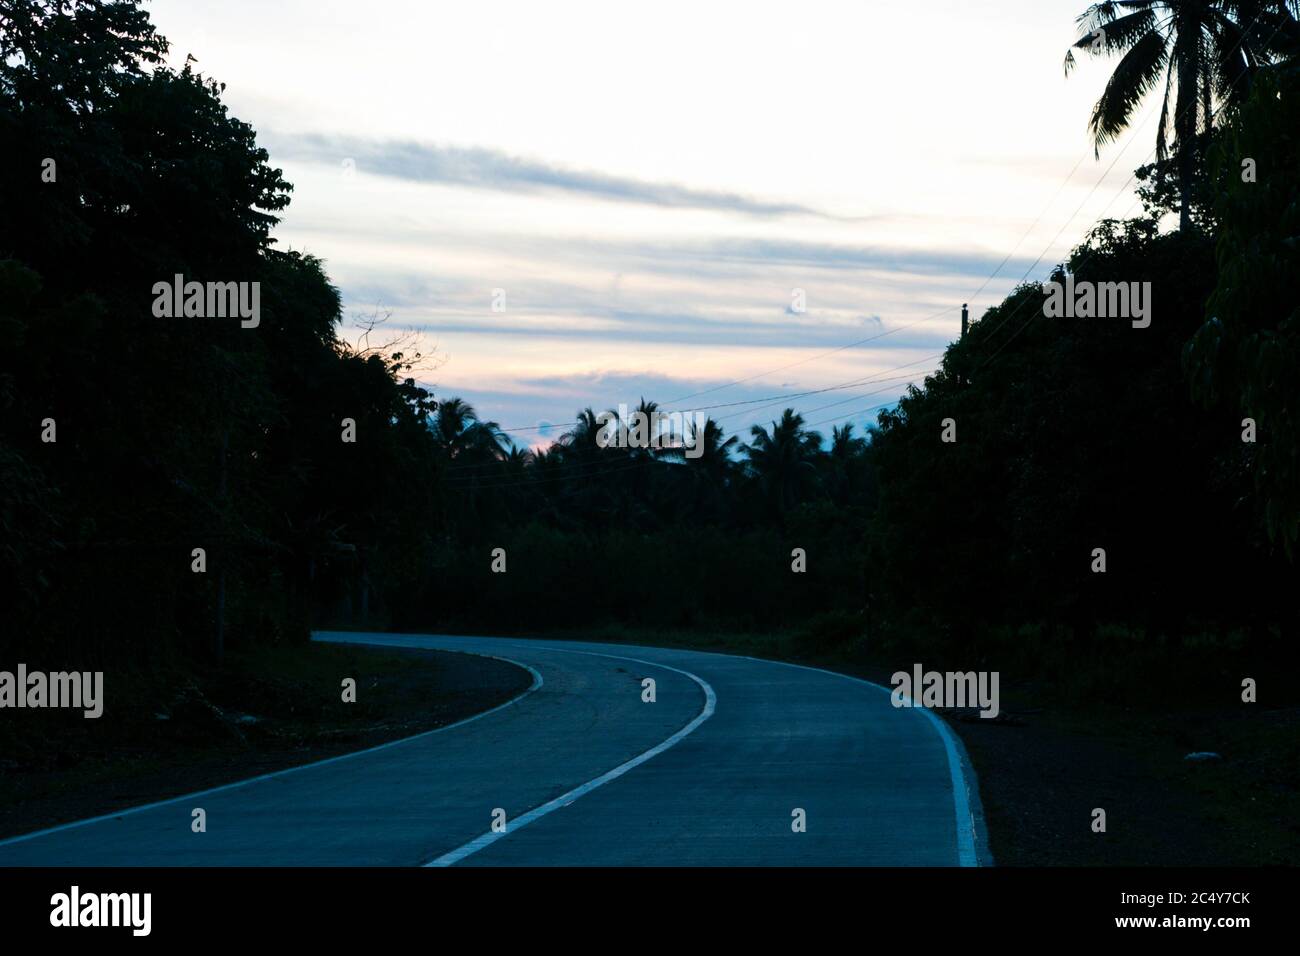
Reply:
x=583, y=204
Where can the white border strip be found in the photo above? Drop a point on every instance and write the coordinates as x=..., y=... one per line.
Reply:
x=966, y=855
x=537, y=682
x=965, y=819
x=965, y=797
x=487, y=839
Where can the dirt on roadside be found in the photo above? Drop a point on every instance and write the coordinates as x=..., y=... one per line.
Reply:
x=165, y=735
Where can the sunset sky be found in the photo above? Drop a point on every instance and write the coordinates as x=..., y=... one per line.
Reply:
x=649, y=184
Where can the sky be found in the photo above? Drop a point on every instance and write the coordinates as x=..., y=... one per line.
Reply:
x=708, y=204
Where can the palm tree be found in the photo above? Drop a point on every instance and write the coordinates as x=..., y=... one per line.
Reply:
x=709, y=491
x=515, y=463
x=713, y=458
x=546, y=465
x=784, y=459
x=644, y=416
x=846, y=453
x=459, y=434
x=844, y=445
x=583, y=440
x=1205, y=50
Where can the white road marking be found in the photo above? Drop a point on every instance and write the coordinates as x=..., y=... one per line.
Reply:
x=518, y=823
x=964, y=819
x=966, y=851
x=966, y=855
x=537, y=682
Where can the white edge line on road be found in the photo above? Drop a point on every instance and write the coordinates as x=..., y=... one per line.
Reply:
x=965, y=820
x=487, y=839
x=537, y=682
x=966, y=855
x=964, y=816
x=963, y=812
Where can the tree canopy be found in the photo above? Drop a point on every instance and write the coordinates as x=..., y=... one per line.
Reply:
x=129, y=442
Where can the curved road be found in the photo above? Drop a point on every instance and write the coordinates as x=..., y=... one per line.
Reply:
x=586, y=773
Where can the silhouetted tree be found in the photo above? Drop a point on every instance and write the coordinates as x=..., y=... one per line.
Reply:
x=1201, y=51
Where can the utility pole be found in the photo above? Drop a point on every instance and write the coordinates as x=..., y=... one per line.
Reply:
x=965, y=319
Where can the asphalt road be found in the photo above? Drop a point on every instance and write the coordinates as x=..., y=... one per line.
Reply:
x=581, y=771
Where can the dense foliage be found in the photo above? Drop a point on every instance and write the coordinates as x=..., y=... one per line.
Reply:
x=176, y=434
x=171, y=434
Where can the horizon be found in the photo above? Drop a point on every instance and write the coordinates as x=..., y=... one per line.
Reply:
x=399, y=511
x=554, y=250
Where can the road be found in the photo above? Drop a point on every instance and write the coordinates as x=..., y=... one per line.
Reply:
x=581, y=770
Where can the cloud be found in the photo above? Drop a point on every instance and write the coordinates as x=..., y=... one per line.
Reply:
x=710, y=257
x=481, y=168
x=690, y=329
x=825, y=256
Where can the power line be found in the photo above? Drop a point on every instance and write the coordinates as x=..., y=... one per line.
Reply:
x=574, y=469
x=1132, y=139
x=841, y=348
x=467, y=466
x=909, y=378
x=784, y=397
x=861, y=411
x=1193, y=103
x=1010, y=317
x=871, y=338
